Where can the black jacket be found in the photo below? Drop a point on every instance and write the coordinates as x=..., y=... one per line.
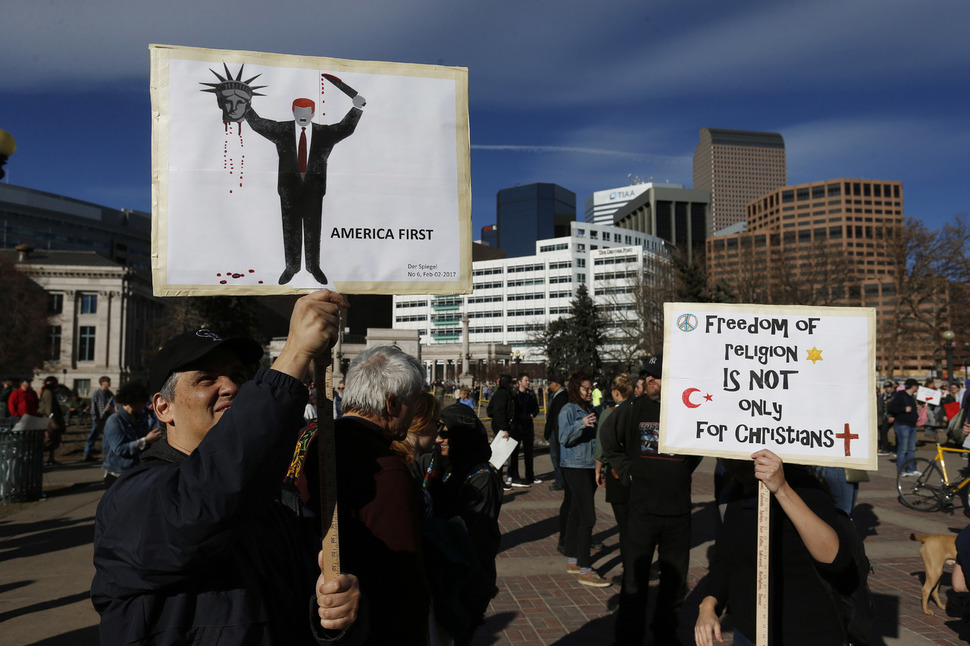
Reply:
x=897, y=408
x=501, y=408
x=197, y=548
x=554, y=407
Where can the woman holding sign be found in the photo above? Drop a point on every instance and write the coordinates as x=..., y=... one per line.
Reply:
x=805, y=548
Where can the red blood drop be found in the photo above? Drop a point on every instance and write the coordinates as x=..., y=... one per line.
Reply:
x=218, y=274
x=222, y=282
x=260, y=282
x=237, y=275
x=252, y=271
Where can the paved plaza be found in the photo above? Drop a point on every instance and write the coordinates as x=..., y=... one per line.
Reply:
x=46, y=564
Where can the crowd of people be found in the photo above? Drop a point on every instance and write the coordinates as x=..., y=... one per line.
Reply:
x=210, y=527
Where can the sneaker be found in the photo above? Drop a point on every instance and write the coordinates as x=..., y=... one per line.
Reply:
x=521, y=482
x=883, y=454
x=593, y=580
x=572, y=568
x=537, y=481
x=506, y=487
x=910, y=474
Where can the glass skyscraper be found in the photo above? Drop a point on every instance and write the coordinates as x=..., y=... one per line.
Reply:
x=530, y=213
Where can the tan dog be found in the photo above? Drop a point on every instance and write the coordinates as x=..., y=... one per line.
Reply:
x=936, y=550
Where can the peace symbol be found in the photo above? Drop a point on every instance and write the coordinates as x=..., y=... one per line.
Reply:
x=687, y=322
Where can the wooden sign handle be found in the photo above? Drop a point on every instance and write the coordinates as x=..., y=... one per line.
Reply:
x=763, y=581
x=326, y=452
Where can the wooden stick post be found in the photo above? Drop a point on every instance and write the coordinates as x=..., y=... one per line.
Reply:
x=763, y=580
x=326, y=452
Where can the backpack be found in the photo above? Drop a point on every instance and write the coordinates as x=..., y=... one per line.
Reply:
x=852, y=596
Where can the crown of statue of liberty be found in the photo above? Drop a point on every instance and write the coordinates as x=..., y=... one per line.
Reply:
x=229, y=83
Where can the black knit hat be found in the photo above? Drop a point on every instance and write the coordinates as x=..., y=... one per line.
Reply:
x=654, y=366
x=183, y=350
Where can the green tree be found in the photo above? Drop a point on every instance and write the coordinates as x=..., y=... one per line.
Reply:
x=573, y=342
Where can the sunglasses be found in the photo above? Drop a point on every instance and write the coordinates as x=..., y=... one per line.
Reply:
x=442, y=431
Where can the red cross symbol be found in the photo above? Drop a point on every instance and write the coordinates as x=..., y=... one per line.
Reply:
x=848, y=437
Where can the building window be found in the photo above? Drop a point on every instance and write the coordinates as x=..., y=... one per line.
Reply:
x=82, y=387
x=89, y=303
x=54, y=342
x=55, y=303
x=85, y=343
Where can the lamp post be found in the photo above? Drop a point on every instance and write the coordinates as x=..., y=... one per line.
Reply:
x=948, y=337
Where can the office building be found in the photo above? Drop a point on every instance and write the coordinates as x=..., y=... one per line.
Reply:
x=601, y=205
x=50, y=222
x=670, y=212
x=737, y=166
x=513, y=298
x=825, y=243
x=527, y=214
x=102, y=315
x=490, y=235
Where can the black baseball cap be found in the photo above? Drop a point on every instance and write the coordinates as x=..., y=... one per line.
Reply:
x=654, y=366
x=557, y=378
x=181, y=351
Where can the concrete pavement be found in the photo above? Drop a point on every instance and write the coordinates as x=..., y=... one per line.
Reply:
x=46, y=564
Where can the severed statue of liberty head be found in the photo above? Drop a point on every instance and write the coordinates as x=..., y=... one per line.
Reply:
x=233, y=94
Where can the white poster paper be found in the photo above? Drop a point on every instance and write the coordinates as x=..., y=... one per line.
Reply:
x=798, y=381
x=282, y=174
x=502, y=448
x=929, y=395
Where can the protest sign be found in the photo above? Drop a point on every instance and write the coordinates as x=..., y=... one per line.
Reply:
x=929, y=395
x=796, y=380
x=278, y=174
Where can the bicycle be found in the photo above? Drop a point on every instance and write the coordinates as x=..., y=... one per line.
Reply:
x=930, y=489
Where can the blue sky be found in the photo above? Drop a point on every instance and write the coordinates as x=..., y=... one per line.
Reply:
x=581, y=94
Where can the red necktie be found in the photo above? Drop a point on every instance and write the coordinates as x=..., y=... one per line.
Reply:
x=301, y=154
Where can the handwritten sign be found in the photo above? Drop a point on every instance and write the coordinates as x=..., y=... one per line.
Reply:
x=795, y=380
x=929, y=395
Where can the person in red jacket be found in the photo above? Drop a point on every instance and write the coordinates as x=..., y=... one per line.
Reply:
x=23, y=401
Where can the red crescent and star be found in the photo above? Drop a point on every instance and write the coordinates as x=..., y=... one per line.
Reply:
x=690, y=391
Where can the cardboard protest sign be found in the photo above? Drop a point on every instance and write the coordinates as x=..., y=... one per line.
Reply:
x=798, y=381
x=929, y=395
x=280, y=174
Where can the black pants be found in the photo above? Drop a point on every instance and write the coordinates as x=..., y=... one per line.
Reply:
x=884, y=437
x=554, y=451
x=526, y=438
x=646, y=533
x=581, y=484
x=302, y=215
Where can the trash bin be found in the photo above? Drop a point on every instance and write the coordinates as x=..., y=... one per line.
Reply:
x=21, y=465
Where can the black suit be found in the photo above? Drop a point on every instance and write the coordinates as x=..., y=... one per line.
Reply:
x=301, y=195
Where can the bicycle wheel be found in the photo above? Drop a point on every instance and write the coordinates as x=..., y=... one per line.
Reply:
x=924, y=491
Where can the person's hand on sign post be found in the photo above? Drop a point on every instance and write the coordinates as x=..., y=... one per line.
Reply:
x=314, y=327
x=768, y=468
x=819, y=537
x=337, y=600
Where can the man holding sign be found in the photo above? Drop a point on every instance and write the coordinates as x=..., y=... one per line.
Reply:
x=193, y=544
